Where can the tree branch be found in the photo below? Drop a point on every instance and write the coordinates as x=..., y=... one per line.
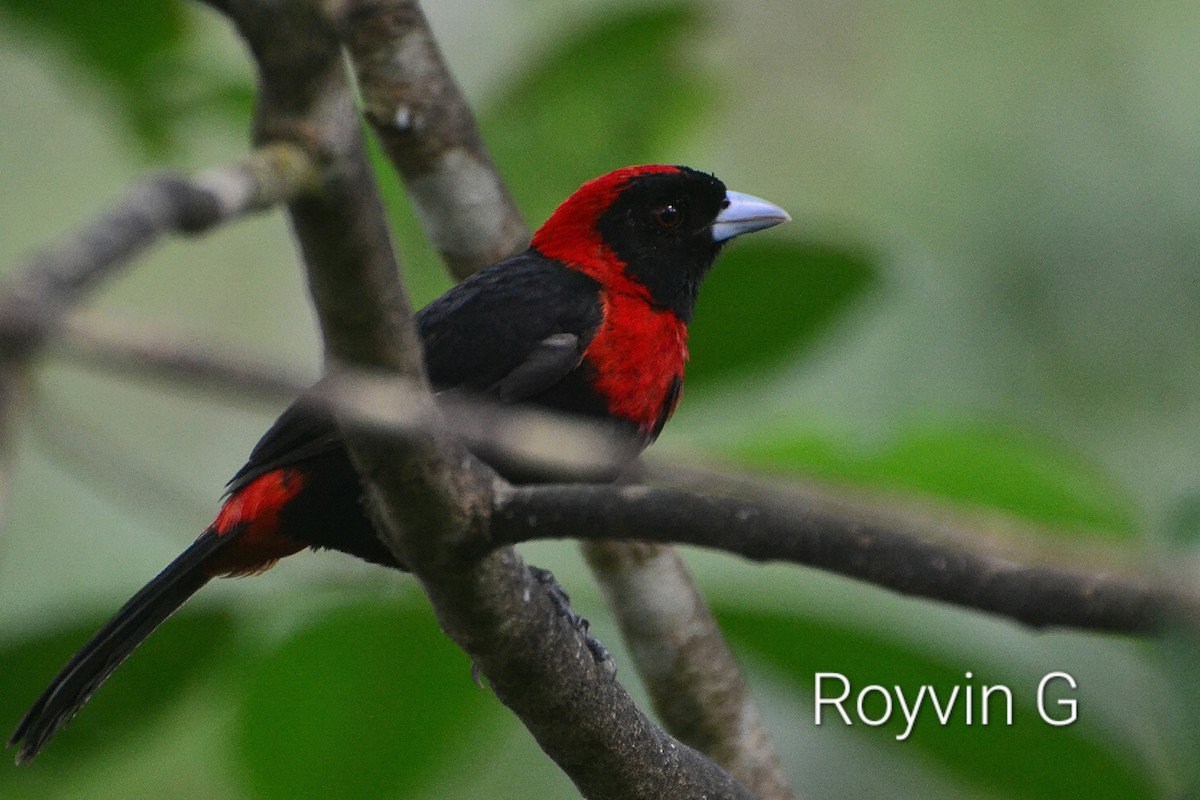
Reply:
x=429, y=133
x=441, y=507
x=793, y=532
x=49, y=283
x=140, y=352
x=56, y=278
x=532, y=439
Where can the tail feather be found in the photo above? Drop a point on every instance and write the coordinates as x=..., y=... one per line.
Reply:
x=112, y=644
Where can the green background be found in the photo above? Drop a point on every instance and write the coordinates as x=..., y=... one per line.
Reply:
x=986, y=311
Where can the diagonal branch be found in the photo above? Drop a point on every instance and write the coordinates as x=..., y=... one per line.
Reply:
x=50, y=282
x=156, y=353
x=60, y=275
x=429, y=133
x=453, y=508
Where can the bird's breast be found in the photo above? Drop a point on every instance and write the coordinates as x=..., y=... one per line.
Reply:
x=638, y=355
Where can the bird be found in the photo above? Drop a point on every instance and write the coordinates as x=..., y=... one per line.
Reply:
x=591, y=319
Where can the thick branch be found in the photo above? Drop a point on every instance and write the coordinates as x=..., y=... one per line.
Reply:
x=1035, y=596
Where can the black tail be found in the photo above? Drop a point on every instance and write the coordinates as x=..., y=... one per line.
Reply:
x=112, y=644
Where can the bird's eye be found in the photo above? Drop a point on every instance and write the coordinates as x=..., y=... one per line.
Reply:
x=725, y=204
x=668, y=217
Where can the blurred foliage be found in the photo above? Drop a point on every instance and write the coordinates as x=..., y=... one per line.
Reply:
x=1006, y=287
x=1181, y=658
x=149, y=682
x=775, y=299
x=139, y=60
x=325, y=702
x=614, y=93
x=130, y=57
x=990, y=466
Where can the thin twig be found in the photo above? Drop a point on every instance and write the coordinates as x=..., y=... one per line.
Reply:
x=52, y=281
x=153, y=353
x=532, y=440
x=56, y=278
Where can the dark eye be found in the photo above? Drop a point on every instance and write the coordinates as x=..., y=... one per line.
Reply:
x=668, y=217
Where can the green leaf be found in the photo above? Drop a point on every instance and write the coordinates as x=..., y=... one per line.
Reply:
x=615, y=93
x=129, y=45
x=367, y=702
x=986, y=465
x=1029, y=760
x=178, y=652
x=767, y=300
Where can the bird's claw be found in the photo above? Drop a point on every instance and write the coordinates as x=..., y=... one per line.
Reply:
x=562, y=602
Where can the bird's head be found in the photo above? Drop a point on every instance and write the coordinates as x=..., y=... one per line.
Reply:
x=651, y=231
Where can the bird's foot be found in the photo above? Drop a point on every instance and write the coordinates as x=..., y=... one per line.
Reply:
x=562, y=602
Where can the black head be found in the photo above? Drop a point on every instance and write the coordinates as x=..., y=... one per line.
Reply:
x=652, y=230
x=660, y=227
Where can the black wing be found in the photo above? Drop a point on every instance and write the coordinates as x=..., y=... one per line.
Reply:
x=546, y=364
x=514, y=331
x=516, y=328
x=302, y=431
